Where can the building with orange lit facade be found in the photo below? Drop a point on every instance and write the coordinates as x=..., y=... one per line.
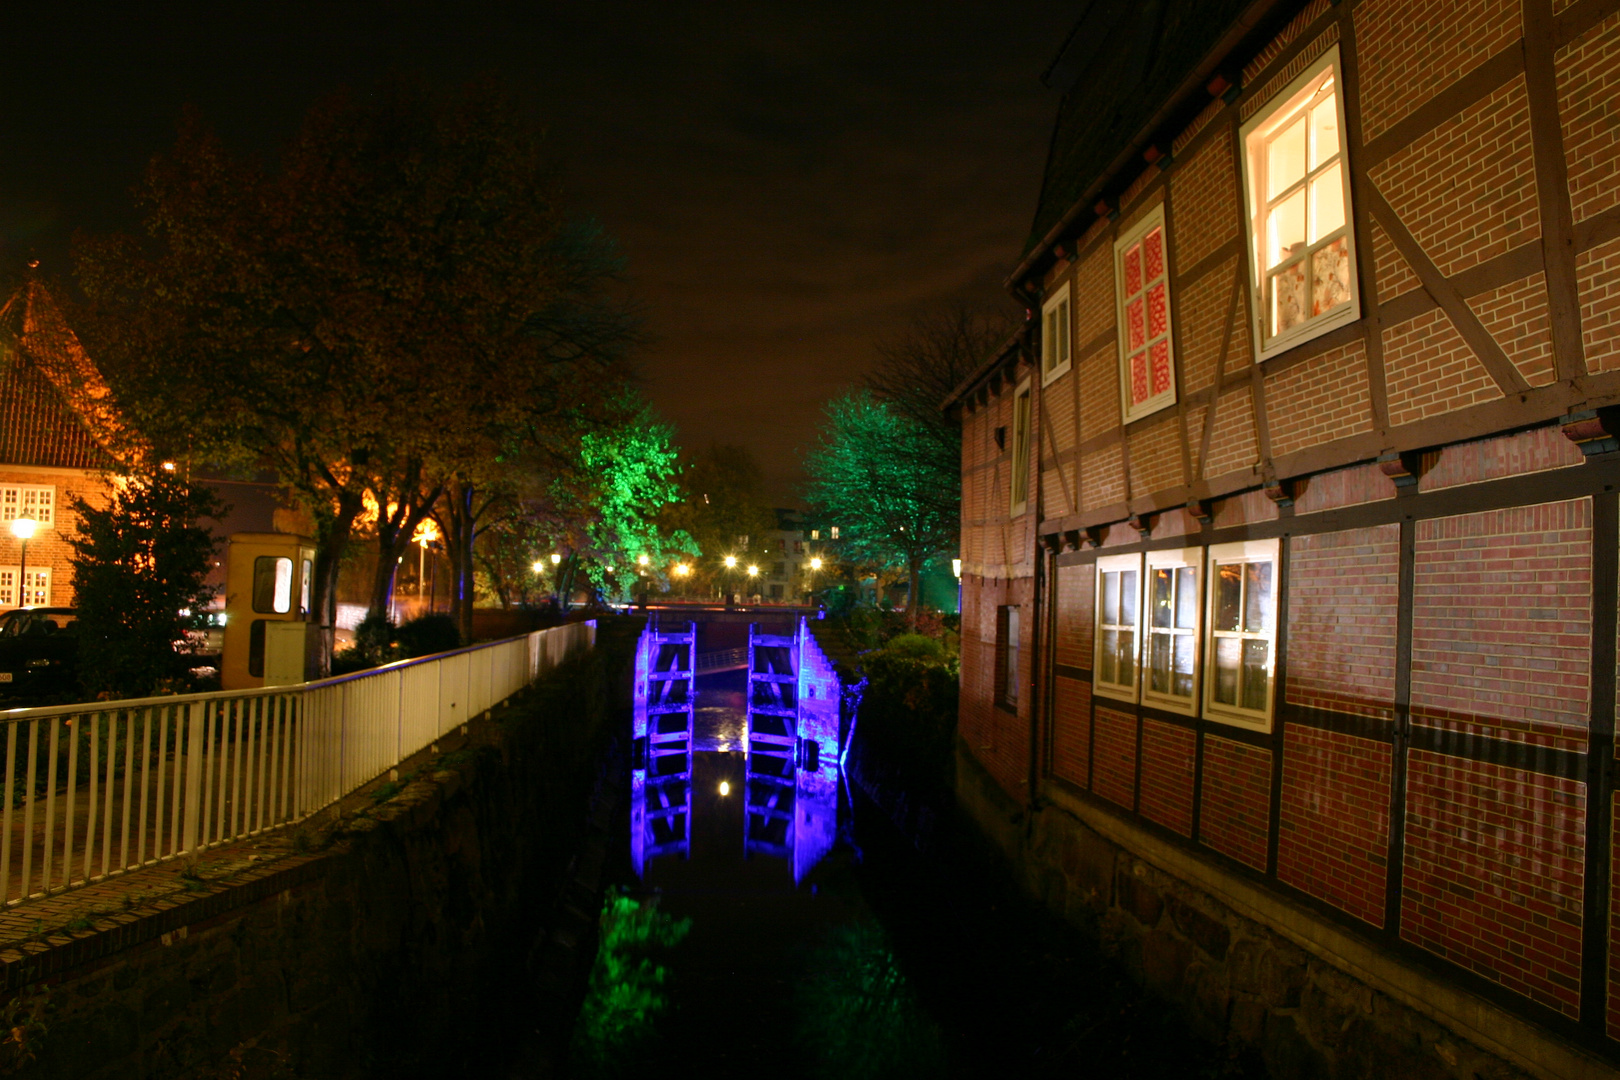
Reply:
x=1291, y=524
x=55, y=416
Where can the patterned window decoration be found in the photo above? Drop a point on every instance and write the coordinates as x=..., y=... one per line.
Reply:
x=1299, y=205
x=1147, y=377
x=37, y=593
x=1055, y=333
x=25, y=500
x=1242, y=643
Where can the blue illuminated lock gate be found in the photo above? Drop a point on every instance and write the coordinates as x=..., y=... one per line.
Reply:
x=661, y=754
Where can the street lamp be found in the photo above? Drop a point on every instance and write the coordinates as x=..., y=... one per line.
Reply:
x=642, y=559
x=815, y=565
x=555, y=558
x=23, y=529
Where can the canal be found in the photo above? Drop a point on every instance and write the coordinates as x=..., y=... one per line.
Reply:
x=884, y=960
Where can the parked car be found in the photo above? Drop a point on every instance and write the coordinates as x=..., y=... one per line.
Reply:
x=39, y=655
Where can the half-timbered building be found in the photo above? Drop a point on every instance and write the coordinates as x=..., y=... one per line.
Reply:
x=1292, y=522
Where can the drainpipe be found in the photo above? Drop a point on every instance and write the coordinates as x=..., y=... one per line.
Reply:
x=1038, y=640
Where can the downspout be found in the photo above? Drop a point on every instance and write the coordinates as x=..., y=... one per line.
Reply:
x=1037, y=699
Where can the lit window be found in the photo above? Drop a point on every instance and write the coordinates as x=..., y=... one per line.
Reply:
x=1296, y=180
x=1242, y=639
x=37, y=593
x=28, y=501
x=1055, y=344
x=1147, y=378
x=1020, y=451
x=272, y=584
x=1174, y=600
x=834, y=532
x=815, y=534
x=1119, y=592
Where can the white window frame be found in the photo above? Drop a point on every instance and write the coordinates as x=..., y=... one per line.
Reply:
x=1109, y=564
x=1057, y=334
x=1154, y=219
x=1238, y=554
x=1173, y=560
x=1254, y=137
x=1022, y=427
x=1009, y=622
x=41, y=584
x=15, y=499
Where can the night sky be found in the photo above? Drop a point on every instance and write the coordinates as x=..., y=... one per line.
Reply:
x=789, y=182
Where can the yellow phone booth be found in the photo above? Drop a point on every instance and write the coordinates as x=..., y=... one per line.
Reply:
x=269, y=581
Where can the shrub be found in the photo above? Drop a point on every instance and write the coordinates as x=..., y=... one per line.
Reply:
x=426, y=635
x=617, y=1024
x=857, y=1016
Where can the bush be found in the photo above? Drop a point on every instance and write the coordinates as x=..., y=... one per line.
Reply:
x=908, y=710
x=428, y=634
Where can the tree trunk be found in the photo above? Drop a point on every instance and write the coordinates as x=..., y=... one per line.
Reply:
x=913, y=579
x=328, y=560
x=460, y=531
x=394, y=532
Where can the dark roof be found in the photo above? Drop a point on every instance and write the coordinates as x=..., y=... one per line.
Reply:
x=1124, y=64
x=55, y=408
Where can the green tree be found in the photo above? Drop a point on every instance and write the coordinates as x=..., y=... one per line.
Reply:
x=897, y=505
x=140, y=565
x=625, y=477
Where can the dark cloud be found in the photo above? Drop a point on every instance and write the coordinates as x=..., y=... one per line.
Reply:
x=788, y=181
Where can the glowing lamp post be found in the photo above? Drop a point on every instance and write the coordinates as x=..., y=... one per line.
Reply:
x=815, y=566
x=23, y=529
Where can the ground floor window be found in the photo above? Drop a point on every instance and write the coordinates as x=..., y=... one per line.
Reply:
x=1242, y=642
x=37, y=592
x=1119, y=592
x=1174, y=603
x=1007, y=655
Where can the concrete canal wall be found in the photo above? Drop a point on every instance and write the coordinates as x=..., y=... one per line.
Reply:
x=396, y=936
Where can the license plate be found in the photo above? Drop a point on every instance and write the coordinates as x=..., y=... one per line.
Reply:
x=5, y=676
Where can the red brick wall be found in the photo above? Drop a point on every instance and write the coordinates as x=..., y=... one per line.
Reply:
x=1501, y=622
x=1333, y=837
x=1344, y=588
x=1236, y=800
x=1493, y=874
x=1343, y=487
x=1113, y=773
x=50, y=546
x=1410, y=50
x=1075, y=585
x=1318, y=402
x=1536, y=450
x=1167, y=774
x=1071, y=731
x=1588, y=84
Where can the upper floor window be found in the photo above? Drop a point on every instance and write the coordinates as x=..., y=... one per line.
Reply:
x=1297, y=187
x=30, y=501
x=1020, y=451
x=1142, y=286
x=1242, y=633
x=1055, y=344
x=834, y=532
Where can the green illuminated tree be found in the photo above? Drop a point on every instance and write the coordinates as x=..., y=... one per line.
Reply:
x=897, y=505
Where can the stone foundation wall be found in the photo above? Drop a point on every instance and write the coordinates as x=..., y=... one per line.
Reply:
x=1250, y=967
x=402, y=944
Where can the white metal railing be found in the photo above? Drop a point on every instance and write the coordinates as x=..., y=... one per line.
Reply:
x=101, y=788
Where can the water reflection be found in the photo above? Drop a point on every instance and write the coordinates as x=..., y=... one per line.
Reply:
x=720, y=788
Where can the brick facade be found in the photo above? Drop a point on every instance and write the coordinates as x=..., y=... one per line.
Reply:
x=1440, y=476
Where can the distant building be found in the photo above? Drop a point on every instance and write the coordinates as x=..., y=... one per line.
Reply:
x=56, y=421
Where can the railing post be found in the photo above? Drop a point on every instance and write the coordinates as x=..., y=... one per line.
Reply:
x=194, y=773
